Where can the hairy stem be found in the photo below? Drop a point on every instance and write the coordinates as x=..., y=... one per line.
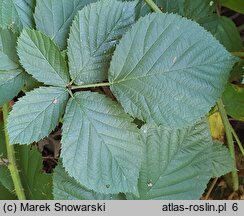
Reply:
x=153, y=6
x=230, y=141
x=12, y=166
x=90, y=85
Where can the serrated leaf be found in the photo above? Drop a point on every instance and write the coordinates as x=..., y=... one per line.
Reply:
x=94, y=34
x=100, y=146
x=197, y=9
x=42, y=59
x=222, y=162
x=171, y=6
x=16, y=14
x=67, y=188
x=11, y=83
x=233, y=99
x=161, y=71
x=176, y=164
x=54, y=17
x=35, y=115
x=37, y=184
x=11, y=76
x=224, y=30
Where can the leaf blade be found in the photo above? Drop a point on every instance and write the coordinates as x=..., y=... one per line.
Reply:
x=11, y=75
x=42, y=58
x=94, y=34
x=35, y=115
x=67, y=188
x=58, y=18
x=176, y=164
x=163, y=75
x=105, y=148
x=16, y=14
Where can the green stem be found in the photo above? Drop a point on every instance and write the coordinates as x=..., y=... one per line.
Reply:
x=237, y=139
x=153, y=6
x=238, y=54
x=230, y=141
x=90, y=85
x=12, y=166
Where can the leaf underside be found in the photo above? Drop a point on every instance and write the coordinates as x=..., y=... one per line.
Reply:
x=100, y=145
x=94, y=34
x=67, y=188
x=35, y=115
x=164, y=75
x=42, y=59
x=176, y=164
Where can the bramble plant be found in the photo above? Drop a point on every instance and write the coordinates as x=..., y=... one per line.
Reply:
x=132, y=90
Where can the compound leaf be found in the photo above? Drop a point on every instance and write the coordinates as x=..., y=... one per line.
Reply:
x=16, y=14
x=176, y=164
x=42, y=58
x=224, y=30
x=54, y=17
x=94, y=35
x=67, y=188
x=35, y=115
x=161, y=71
x=233, y=99
x=100, y=146
x=222, y=162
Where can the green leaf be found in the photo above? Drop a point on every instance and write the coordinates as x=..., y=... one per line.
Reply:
x=176, y=163
x=161, y=71
x=100, y=146
x=224, y=30
x=5, y=178
x=237, y=74
x=222, y=162
x=16, y=14
x=8, y=56
x=67, y=188
x=35, y=115
x=11, y=76
x=5, y=194
x=171, y=6
x=233, y=99
x=11, y=83
x=42, y=59
x=54, y=17
x=36, y=183
x=236, y=5
x=94, y=34
x=196, y=9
